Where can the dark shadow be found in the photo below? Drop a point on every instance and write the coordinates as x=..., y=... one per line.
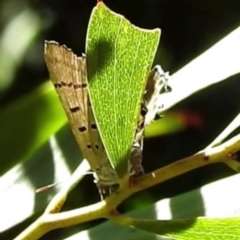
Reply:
x=98, y=58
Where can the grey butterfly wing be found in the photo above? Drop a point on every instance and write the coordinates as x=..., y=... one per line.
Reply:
x=157, y=83
x=69, y=76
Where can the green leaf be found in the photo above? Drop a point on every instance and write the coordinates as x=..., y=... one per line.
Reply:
x=119, y=58
x=201, y=229
x=27, y=123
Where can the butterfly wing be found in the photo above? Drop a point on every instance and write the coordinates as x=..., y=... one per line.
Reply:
x=69, y=76
x=157, y=83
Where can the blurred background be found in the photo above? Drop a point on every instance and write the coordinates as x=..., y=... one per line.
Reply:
x=188, y=29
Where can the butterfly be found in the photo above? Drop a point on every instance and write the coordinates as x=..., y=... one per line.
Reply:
x=68, y=73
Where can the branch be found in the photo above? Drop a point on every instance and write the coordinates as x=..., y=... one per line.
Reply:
x=222, y=153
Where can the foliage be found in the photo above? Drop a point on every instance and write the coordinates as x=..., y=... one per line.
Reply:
x=24, y=178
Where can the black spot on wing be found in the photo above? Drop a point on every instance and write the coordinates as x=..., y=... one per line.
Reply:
x=93, y=126
x=82, y=129
x=84, y=85
x=75, y=109
x=64, y=84
x=69, y=85
x=76, y=86
x=57, y=85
